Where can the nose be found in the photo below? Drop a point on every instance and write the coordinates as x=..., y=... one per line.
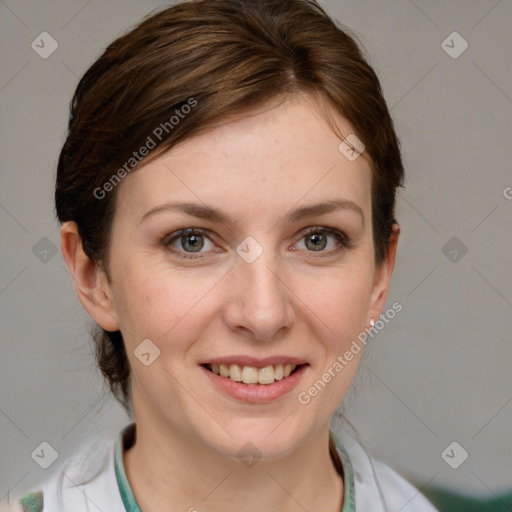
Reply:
x=260, y=302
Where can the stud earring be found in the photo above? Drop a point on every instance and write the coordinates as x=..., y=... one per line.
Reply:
x=372, y=322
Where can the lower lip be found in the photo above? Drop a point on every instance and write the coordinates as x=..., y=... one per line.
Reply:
x=256, y=393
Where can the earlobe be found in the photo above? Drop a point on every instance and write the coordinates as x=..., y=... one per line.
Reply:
x=383, y=275
x=90, y=281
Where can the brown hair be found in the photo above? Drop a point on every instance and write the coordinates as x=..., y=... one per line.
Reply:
x=186, y=69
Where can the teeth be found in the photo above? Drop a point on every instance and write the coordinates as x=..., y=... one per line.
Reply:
x=235, y=372
x=251, y=374
x=266, y=375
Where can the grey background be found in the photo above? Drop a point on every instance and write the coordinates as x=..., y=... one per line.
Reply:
x=440, y=372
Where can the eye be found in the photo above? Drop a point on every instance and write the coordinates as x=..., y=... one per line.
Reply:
x=316, y=239
x=188, y=242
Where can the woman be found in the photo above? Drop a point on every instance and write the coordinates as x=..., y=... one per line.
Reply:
x=226, y=192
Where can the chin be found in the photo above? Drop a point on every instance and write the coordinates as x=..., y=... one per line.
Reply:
x=257, y=440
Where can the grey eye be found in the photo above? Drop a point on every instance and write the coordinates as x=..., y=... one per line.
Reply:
x=316, y=241
x=193, y=242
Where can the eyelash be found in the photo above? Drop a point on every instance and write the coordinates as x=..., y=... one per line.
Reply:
x=343, y=239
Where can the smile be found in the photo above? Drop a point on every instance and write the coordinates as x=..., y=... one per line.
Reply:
x=262, y=383
x=251, y=374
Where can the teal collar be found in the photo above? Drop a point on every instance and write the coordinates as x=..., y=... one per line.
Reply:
x=349, y=499
x=126, y=439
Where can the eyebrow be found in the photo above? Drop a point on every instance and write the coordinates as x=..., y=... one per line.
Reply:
x=218, y=215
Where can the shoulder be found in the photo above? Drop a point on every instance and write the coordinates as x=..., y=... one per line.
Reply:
x=82, y=482
x=377, y=486
x=402, y=495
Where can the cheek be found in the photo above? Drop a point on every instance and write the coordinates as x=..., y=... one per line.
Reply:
x=337, y=307
x=338, y=301
x=157, y=303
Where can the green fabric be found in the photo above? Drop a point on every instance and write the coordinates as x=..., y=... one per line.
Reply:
x=32, y=502
x=349, y=498
x=126, y=437
x=129, y=501
x=449, y=501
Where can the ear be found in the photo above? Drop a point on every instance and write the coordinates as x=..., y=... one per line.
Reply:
x=383, y=275
x=91, y=283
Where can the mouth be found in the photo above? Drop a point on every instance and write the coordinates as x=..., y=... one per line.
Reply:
x=246, y=374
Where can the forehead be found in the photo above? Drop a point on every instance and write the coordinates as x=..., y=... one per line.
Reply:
x=280, y=155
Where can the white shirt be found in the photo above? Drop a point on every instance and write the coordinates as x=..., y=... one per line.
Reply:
x=94, y=479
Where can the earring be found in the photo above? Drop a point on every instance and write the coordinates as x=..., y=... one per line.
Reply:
x=372, y=322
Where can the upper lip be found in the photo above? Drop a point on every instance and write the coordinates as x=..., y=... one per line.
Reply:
x=257, y=362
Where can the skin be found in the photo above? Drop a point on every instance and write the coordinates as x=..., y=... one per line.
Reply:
x=290, y=301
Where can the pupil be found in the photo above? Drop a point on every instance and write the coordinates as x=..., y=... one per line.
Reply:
x=318, y=241
x=194, y=242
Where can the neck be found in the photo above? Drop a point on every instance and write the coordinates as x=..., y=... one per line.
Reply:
x=171, y=471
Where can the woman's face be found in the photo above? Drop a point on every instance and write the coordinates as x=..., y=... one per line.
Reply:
x=253, y=284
